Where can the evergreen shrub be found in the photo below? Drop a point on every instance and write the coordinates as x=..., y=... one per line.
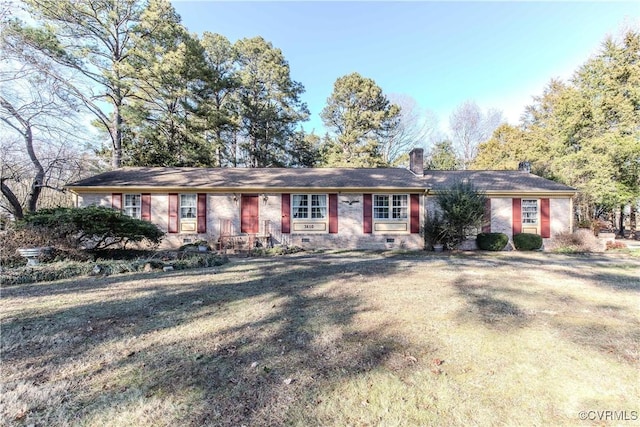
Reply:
x=492, y=241
x=527, y=242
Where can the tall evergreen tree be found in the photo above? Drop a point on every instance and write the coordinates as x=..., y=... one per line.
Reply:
x=161, y=125
x=217, y=95
x=268, y=102
x=442, y=157
x=359, y=116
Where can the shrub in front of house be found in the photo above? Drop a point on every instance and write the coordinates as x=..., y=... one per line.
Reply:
x=492, y=241
x=73, y=269
x=94, y=227
x=462, y=207
x=435, y=230
x=580, y=241
x=527, y=242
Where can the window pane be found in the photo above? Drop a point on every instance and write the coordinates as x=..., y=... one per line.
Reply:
x=318, y=213
x=400, y=203
x=400, y=200
x=132, y=212
x=132, y=205
x=319, y=200
x=132, y=200
x=188, y=206
x=380, y=201
x=300, y=203
x=309, y=206
x=300, y=200
x=529, y=211
x=400, y=213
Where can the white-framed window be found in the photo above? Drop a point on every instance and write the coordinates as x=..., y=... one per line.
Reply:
x=309, y=206
x=188, y=206
x=391, y=207
x=132, y=205
x=529, y=211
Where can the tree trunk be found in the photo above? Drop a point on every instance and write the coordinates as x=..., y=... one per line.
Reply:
x=116, y=136
x=16, y=208
x=38, y=179
x=621, y=223
x=632, y=220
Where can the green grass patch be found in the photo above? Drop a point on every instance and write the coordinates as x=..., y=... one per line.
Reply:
x=498, y=338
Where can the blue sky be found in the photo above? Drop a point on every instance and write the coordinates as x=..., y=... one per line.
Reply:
x=498, y=54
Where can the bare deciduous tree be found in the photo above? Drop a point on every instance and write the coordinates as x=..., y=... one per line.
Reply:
x=415, y=128
x=469, y=127
x=38, y=153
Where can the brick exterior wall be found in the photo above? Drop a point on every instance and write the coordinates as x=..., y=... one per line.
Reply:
x=560, y=215
x=501, y=216
x=94, y=199
x=223, y=207
x=350, y=234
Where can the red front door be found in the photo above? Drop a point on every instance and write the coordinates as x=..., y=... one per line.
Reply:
x=249, y=214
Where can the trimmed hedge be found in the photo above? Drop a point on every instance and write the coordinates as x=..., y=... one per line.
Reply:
x=74, y=269
x=527, y=242
x=492, y=241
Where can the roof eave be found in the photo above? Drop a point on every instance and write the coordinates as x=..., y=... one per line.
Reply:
x=173, y=189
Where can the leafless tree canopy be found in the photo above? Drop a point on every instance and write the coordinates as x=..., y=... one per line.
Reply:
x=40, y=139
x=415, y=129
x=469, y=127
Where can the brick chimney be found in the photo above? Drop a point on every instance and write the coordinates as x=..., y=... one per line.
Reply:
x=416, y=161
x=524, y=166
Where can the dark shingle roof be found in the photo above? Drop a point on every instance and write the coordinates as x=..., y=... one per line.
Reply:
x=335, y=178
x=268, y=178
x=494, y=181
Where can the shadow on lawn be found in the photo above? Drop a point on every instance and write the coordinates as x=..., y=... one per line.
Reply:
x=582, y=266
x=610, y=329
x=255, y=371
x=485, y=306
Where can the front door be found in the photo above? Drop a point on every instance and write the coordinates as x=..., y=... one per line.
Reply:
x=249, y=214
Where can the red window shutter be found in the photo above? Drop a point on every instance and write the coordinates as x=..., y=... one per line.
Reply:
x=486, y=219
x=545, y=218
x=116, y=201
x=145, y=207
x=367, y=214
x=286, y=214
x=333, y=213
x=202, y=213
x=415, y=213
x=517, y=216
x=173, y=213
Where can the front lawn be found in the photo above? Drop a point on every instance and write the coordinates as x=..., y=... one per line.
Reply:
x=334, y=339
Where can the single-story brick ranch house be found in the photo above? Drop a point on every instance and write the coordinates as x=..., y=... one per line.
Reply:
x=320, y=207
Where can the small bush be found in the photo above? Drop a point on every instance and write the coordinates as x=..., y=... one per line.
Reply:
x=613, y=245
x=195, y=246
x=580, y=241
x=527, y=242
x=196, y=260
x=276, y=251
x=492, y=241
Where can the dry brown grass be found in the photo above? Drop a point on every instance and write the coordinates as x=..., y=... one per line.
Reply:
x=335, y=339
